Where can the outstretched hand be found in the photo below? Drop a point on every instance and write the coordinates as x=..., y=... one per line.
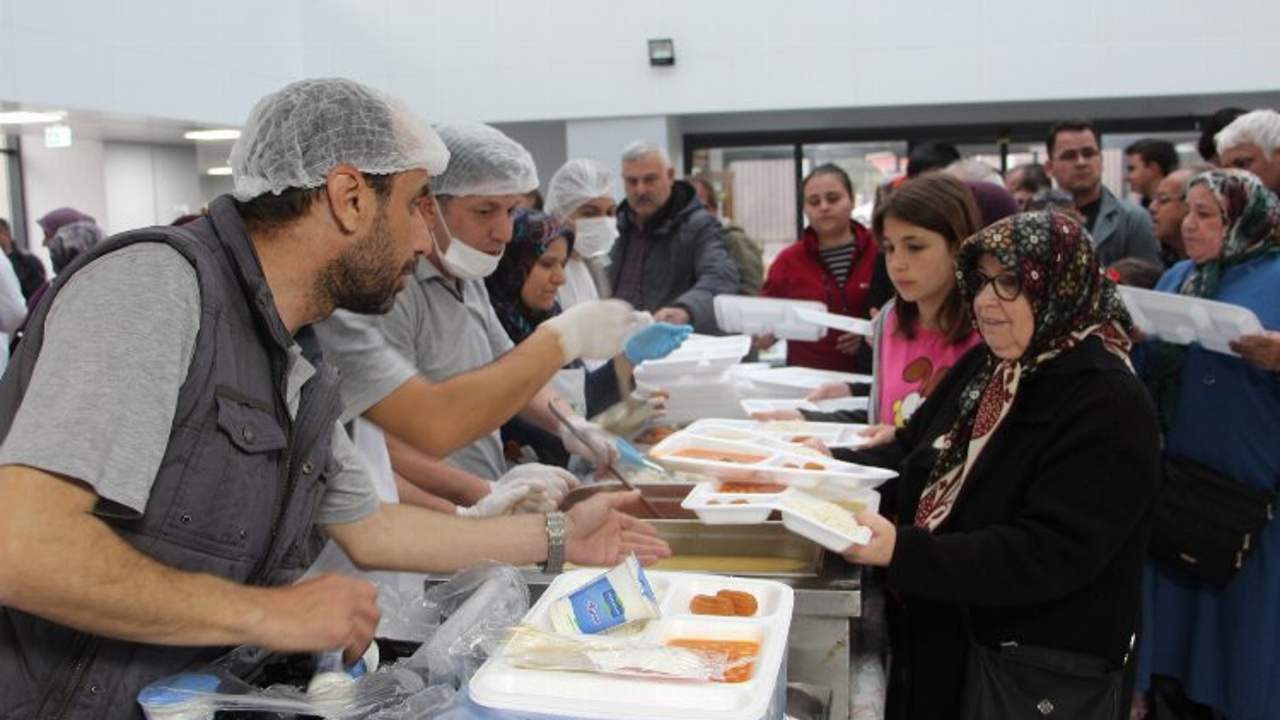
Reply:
x=601, y=534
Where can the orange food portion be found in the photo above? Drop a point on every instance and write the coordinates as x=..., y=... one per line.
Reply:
x=655, y=435
x=711, y=605
x=720, y=455
x=741, y=654
x=814, y=466
x=741, y=487
x=744, y=603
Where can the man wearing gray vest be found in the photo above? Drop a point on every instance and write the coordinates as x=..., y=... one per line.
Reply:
x=169, y=450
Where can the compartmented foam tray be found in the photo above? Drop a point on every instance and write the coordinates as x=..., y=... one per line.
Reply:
x=499, y=684
x=824, y=516
x=1184, y=319
x=751, y=457
x=792, y=431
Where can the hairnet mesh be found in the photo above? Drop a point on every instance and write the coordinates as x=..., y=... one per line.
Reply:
x=483, y=161
x=575, y=184
x=295, y=136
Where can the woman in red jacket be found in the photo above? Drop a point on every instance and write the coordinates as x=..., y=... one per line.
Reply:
x=830, y=263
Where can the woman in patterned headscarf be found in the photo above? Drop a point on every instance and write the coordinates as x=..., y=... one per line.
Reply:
x=1026, y=475
x=1221, y=647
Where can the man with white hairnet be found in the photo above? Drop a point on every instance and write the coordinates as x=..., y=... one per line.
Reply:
x=581, y=196
x=169, y=447
x=446, y=325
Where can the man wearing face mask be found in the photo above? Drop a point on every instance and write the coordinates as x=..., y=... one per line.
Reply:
x=425, y=416
x=443, y=321
x=580, y=196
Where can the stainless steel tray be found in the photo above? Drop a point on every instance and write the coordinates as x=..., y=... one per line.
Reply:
x=765, y=550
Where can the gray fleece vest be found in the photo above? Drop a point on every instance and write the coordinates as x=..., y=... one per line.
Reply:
x=237, y=488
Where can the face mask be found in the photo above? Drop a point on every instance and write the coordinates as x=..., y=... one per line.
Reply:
x=463, y=261
x=593, y=237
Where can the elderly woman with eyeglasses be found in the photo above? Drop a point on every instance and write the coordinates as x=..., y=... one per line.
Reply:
x=1026, y=477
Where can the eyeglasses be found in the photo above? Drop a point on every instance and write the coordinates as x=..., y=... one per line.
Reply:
x=1007, y=286
x=1085, y=154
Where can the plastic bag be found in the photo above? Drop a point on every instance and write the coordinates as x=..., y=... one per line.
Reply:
x=465, y=617
x=530, y=647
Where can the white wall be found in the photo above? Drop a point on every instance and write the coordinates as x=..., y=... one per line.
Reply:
x=149, y=184
x=62, y=177
x=526, y=60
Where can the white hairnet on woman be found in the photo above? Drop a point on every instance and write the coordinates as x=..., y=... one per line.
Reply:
x=295, y=136
x=576, y=183
x=483, y=161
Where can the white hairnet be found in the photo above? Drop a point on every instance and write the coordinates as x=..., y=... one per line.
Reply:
x=483, y=161
x=575, y=184
x=295, y=136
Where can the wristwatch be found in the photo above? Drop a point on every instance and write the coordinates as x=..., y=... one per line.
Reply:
x=555, y=544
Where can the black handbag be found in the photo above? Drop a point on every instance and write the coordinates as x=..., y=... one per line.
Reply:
x=1206, y=524
x=1023, y=682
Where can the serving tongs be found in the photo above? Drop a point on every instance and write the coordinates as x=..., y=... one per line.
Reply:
x=559, y=416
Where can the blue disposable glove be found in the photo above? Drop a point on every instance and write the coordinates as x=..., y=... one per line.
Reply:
x=655, y=341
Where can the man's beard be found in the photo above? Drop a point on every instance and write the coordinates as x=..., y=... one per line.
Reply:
x=364, y=278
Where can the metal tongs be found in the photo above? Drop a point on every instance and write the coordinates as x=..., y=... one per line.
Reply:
x=612, y=470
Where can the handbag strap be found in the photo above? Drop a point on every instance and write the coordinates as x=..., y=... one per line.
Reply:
x=966, y=621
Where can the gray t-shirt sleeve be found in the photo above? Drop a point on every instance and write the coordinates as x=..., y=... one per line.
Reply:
x=350, y=495
x=371, y=369
x=118, y=344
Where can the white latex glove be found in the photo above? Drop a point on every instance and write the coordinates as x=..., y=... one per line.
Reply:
x=596, y=329
x=548, y=486
x=502, y=500
x=599, y=447
x=655, y=397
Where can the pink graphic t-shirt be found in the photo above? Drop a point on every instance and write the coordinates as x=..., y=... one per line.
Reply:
x=911, y=368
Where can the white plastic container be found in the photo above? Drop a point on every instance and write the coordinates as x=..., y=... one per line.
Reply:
x=777, y=316
x=700, y=355
x=753, y=457
x=827, y=520
x=1182, y=319
x=499, y=684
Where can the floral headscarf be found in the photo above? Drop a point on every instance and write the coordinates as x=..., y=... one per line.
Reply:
x=1071, y=299
x=1251, y=218
x=532, y=233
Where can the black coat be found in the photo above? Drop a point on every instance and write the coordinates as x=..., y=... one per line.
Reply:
x=1045, y=542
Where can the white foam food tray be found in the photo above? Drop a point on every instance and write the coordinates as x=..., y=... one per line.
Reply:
x=754, y=405
x=800, y=381
x=499, y=684
x=1182, y=319
x=823, y=516
x=752, y=457
x=845, y=435
x=758, y=315
x=701, y=355
x=843, y=323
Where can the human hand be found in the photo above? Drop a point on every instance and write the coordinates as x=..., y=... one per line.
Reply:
x=596, y=443
x=673, y=315
x=848, y=343
x=1262, y=349
x=777, y=415
x=764, y=341
x=655, y=341
x=501, y=500
x=323, y=612
x=879, y=551
x=878, y=435
x=826, y=391
x=548, y=486
x=600, y=534
x=816, y=444
x=655, y=397
x=594, y=329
